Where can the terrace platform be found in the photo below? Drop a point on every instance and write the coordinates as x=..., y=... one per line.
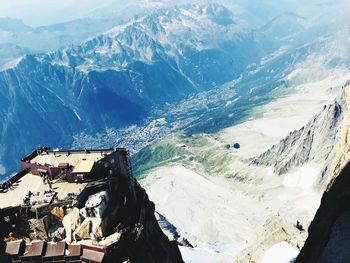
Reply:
x=34, y=183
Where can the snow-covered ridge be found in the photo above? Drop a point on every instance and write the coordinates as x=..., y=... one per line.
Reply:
x=166, y=32
x=11, y=64
x=313, y=142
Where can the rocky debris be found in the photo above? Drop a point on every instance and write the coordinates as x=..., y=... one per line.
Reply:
x=329, y=232
x=99, y=227
x=275, y=230
x=110, y=239
x=84, y=230
x=10, y=238
x=58, y=235
x=38, y=228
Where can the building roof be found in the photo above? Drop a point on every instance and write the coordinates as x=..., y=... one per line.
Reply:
x=55, y=249
x=92, y=255
x=54, y=158
x=14, y=247
x=83, y=166
x=73, y=250
x=34, y=249
x=29, y=182
x=14, y=196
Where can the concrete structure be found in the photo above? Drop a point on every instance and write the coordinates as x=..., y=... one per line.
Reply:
x=60, y=252
x=96, y=205
x=50, y=185
x=34, y=251
x=68, y=171
x=76, y=165
x=15, y=249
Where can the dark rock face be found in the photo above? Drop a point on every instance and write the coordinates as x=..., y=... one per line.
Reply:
x=142, y=239
x=329, y=232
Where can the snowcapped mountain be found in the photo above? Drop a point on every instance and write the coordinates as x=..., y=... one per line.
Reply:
x=292, y=89
x=115, y=78
x=236, y=99
x=14, y=32
x=276, y=75
x=198, y=40
x=210, y=161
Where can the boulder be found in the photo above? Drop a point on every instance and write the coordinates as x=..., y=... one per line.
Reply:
x=59, y=234
x=274, y=231
x=38, y=228
x=58, y=212
x=70, y=222
x=83, y=231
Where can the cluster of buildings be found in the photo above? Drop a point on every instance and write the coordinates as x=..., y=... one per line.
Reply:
x=58, y=206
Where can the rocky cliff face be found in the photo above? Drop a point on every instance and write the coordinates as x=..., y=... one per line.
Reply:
x=141, y=240
x=275, y=230
x=329, y=232
x=314, y=142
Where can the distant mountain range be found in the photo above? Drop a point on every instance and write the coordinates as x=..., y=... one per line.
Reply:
x=138, y=71
x=116, y=78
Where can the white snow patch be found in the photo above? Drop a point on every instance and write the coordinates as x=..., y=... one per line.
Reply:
x=303, y=177
x=280, y=253
x=76, y=114
x=204, y=213
x=11, y=64
x=210, y=253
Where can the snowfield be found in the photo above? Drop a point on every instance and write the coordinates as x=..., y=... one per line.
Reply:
x=209, y=210
x=202, y=211
x=280, y=253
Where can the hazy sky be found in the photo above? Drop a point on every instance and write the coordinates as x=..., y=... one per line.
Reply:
x=44, y=12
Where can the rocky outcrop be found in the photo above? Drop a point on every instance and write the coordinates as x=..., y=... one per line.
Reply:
x=275, y=230
x=58, y=212
x=314, y=142
x=84, y=230
x=38, y=228
x=329, y=232
x=141, y=238
x=343, y=143
x=70, y=222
